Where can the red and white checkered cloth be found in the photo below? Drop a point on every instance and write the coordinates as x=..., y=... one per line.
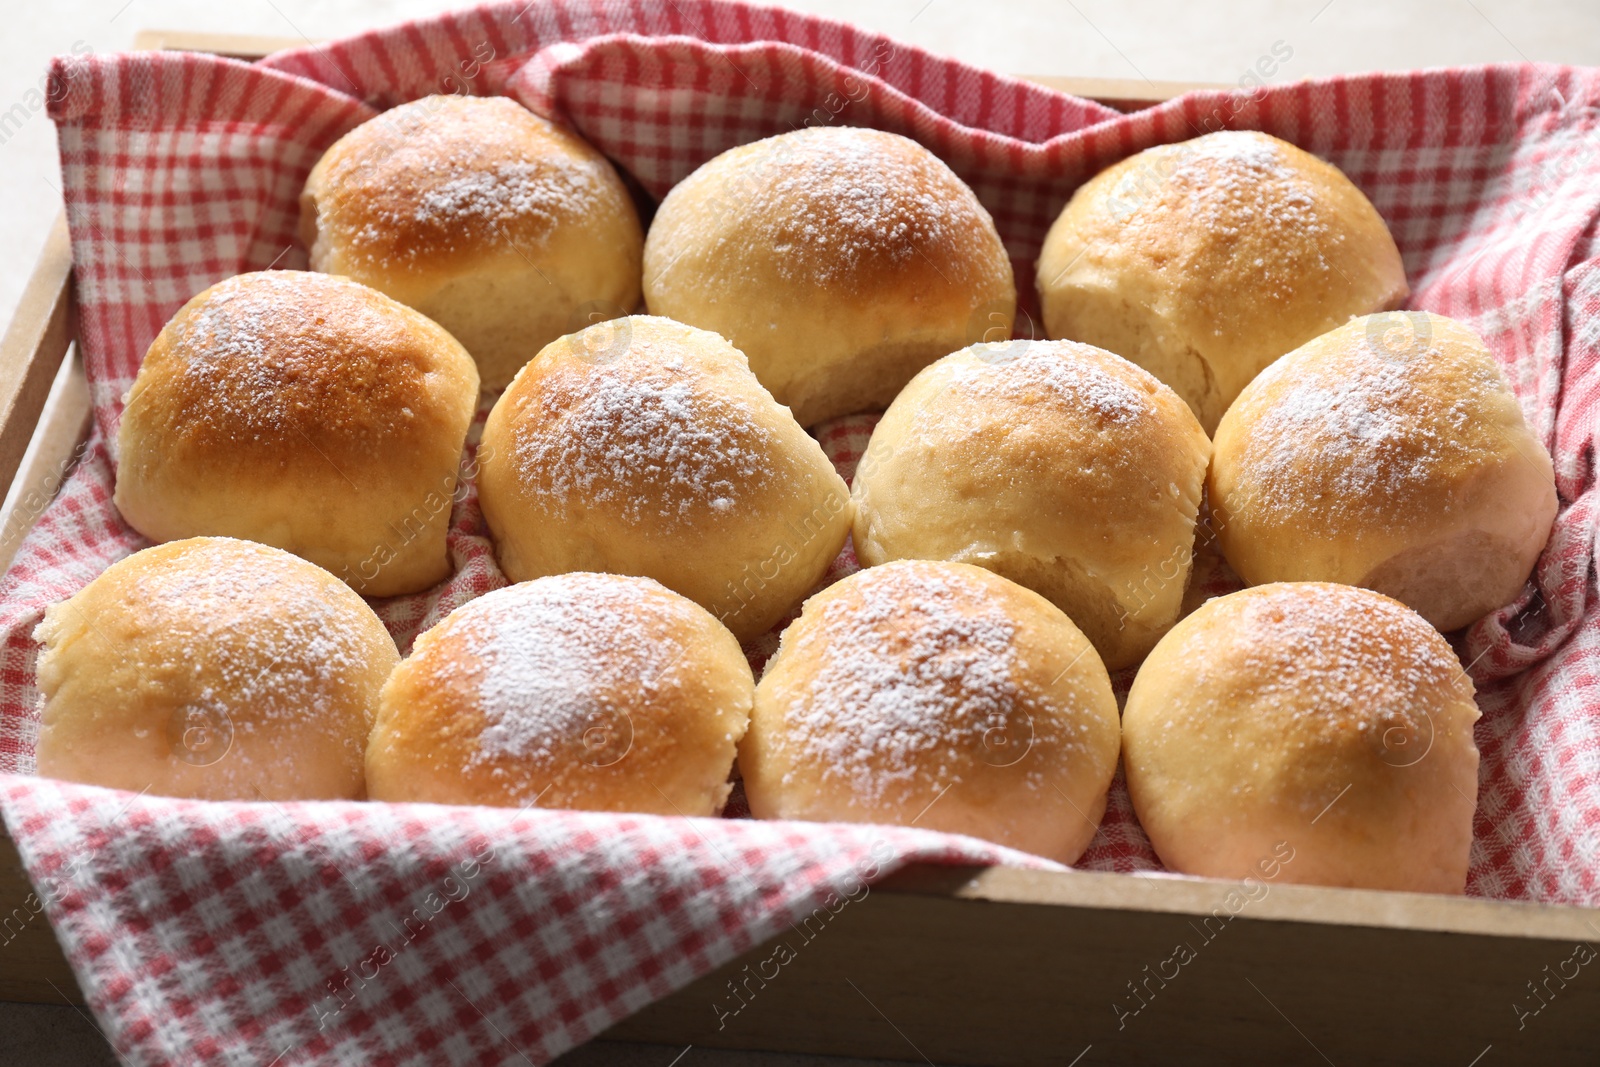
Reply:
x=412, y=934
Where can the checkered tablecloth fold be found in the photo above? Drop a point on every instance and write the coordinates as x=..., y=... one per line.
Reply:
x=234, y=933
x=398, y=933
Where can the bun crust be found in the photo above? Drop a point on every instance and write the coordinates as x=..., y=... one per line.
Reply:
x=586, y=691
x=937, y=695
x=501, y=226
x=840, y=260
x=213, y=669
x=1058, y=465
x=1322, y=720
x=1391, y=454
x=305, y=412
x=1204, y=261
x=647, y=447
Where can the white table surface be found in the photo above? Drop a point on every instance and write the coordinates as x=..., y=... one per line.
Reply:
x=1162, y=40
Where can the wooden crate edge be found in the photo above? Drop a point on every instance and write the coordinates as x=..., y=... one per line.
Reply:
x=33, y=348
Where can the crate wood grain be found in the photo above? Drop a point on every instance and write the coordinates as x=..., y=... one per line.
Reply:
x=988, y=966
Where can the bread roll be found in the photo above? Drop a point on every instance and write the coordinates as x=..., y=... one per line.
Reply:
x=1320, y=722
x=499, y=225
x=840, y=260
x=937, y=695
x=1389, y=453
x=305, y=412
x=1205, y=261
x=589, y=691
x=647, y=447
x=1055, y=464
x=212, y=669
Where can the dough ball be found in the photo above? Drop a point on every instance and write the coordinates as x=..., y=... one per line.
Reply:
x=644, y=446
x=213, y=669
x=501, y=226
x=1206, y=260
x=1391, y=454
x=936, y=695
x=590, y=691
x=1056, y=464
x=841, y=260
x=1319, y=722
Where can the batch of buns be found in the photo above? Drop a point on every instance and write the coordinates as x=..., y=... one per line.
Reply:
x=1224, y=362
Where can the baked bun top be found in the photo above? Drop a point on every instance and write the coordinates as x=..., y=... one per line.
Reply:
x=644, y=446
x=1028, y=434
x=1053, y=463
x=1324, y=716
x=1373, y=428
x=828, y=209
x=1276, y=669
x=670, y=435
x=591, y=691
x=213, y=668
x=428, y=187
x=300, y=373
x=840, y=260
x=1225, y=252
x=904, y=678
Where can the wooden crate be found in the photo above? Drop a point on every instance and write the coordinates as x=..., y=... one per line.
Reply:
x=989, y=966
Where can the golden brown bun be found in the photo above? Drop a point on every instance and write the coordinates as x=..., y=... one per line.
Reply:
x=589, y=691
x=305, y=412
x=1205, y=261
x=213, y=669
x=1391, y=454
x=939, y=695
x=1318, y=721
x=499, y=225
x=643, y=446
x=1055, y=464
x=840, y=260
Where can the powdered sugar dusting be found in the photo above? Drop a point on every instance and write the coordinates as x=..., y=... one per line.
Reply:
x=268, y=641
x=510, y=189
x=1238, y=179
x=226, y=343
x=1236, y=189
x=532, y=196
x=554, y=655
x=1052, y=370
x=288, y=356
x=1342, y=655
x=1361, y=429
x=920, y=670
x=446, y=174
x=652, y=443
x=830, y=200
